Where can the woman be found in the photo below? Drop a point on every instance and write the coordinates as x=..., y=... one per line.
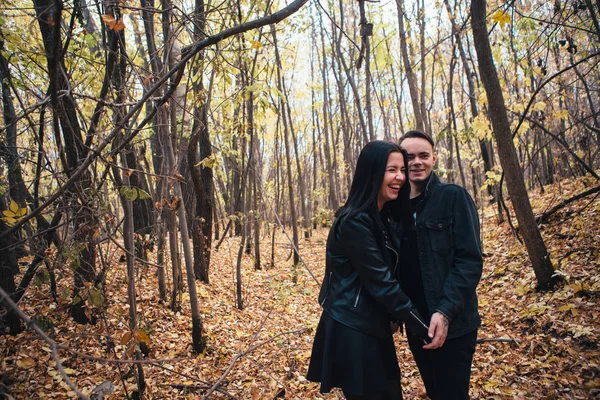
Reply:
x=360, y=296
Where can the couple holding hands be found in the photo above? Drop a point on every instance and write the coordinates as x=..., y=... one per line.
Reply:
x=404, y=250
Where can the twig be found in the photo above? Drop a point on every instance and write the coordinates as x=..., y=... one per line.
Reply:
x=502, y=340
x=242, y=354
x=176, y=73
x=270, y=375
x=486, y=340
x=8, y=303
x=292, y=243
x=5, y=298
x=589, y=293
x=539, y=88
x=566, y=202
x=197, y=387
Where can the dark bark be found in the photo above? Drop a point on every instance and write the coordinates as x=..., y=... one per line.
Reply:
x=536, y=248
x=333, y=198
x=8, y=269
x=202, y=176
x=174, y=74
x=408, y=69
x=68, y=135
x=286, y=139
x=366, y=31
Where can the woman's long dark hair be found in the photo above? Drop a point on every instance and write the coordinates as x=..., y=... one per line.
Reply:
x=367, y=181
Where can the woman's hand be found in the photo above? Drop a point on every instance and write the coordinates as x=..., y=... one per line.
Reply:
x=438, y=331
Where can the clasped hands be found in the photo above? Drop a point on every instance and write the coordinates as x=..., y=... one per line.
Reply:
x=438, y=330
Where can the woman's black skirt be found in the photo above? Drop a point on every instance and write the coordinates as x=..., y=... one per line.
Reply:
x=354, y=361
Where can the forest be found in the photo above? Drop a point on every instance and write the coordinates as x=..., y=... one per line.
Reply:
x=170, y=169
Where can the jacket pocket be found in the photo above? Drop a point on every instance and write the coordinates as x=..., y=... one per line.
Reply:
x=440, y=234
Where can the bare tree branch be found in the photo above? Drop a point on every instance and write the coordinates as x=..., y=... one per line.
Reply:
x=176, y=72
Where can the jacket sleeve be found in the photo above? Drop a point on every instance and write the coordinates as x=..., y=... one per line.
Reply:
x=357, y=237
x=467, y=267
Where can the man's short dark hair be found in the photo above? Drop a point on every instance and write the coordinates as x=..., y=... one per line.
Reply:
x=417, y=133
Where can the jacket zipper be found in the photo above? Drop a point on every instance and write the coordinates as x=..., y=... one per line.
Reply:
x=418, y=320
x=396, y=253
x=357, y=296
x=328, y=285
x=360, y=288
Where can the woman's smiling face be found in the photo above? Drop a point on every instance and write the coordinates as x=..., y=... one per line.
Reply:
x=393, y=179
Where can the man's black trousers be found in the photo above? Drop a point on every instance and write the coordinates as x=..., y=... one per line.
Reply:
x=446, y=372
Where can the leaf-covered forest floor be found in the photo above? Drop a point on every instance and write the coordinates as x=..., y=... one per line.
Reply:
x=534, y=345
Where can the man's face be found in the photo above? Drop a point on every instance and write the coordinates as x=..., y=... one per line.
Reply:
x=421, y=159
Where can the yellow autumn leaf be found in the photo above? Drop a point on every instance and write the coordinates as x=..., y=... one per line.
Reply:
x=14, y=207
x=501, y=17
x=561, y=114
x=480, y=126
x=256, y=44
x=539, y=106
x=14, y=213
x=9, y=221
x=482, y=99
x=566, y=307
x=538, y=71
x=519, y=107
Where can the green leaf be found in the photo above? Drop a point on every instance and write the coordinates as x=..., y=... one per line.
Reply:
x=142, y=194
x=130, y=194
x=74, y=265
x=209, y=161
x=96, y=297
x=134, y=193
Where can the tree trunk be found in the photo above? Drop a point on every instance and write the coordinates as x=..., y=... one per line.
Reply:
x=119, y=85
x=536, y=248
x=198, y=341
x=202, y=176
x=410, y=75
x=71, y=149
x=423, y=50
x=333, y=200
x=366, y=31
x=8, y=269
x=286, y=128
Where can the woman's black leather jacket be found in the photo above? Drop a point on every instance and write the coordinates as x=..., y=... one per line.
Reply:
x=359, y=288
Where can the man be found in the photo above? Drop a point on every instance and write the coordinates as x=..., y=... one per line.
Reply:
x=441, y=269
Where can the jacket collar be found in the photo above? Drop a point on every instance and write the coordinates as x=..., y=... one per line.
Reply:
x=432, y=182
